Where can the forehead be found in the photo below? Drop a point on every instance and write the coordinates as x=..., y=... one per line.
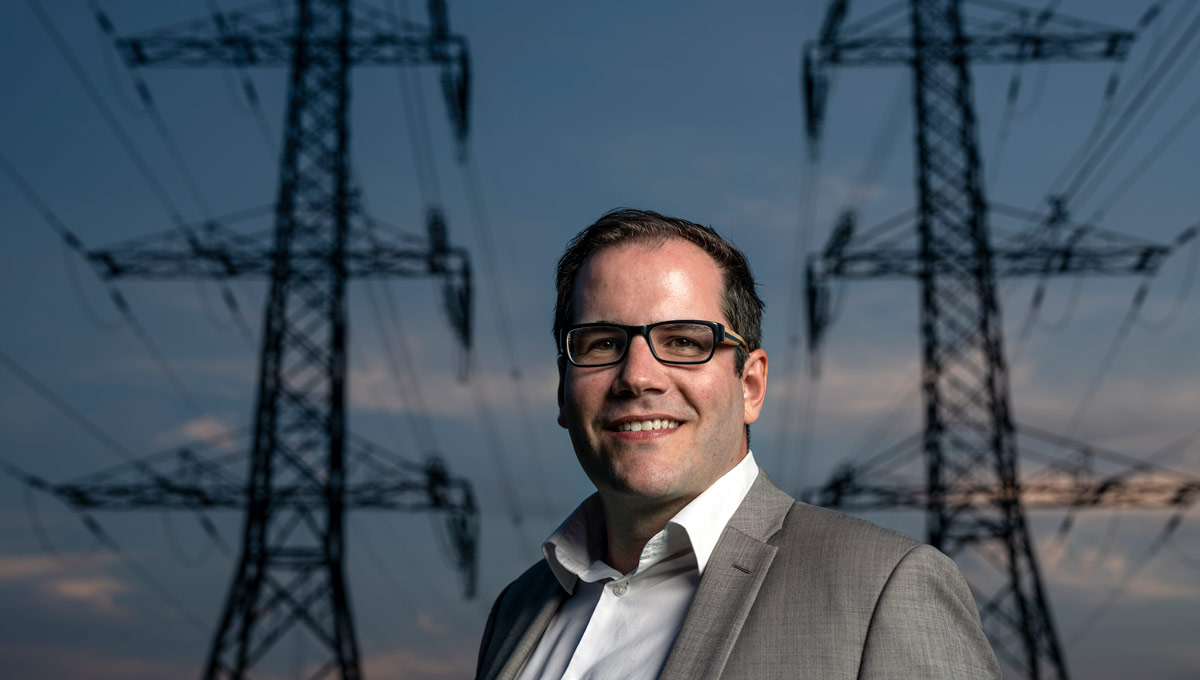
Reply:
x=647, y=281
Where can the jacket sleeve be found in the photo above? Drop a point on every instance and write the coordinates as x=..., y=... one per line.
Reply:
x=925, y=624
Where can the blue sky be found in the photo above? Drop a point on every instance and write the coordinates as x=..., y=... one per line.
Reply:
x=690, y=109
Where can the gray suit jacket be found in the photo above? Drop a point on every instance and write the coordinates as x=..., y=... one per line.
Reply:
x=791, y=591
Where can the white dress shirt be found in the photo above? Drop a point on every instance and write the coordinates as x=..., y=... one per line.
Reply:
x=621, y=627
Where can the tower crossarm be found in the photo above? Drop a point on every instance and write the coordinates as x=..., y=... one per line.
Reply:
x=252, y=39
x=1100, y=260
x=996, y=48
x=223, y=254
x=246, y=39
x=207, y=476
x=1044, y=252
x=182, y=479
x=189, y=478
x=1011, y=38
x=1147, y=488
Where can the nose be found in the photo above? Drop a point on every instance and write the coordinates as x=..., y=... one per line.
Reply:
x=639, y=371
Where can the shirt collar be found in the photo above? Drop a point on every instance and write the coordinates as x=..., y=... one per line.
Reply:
x=575, y=551
x=705, y=517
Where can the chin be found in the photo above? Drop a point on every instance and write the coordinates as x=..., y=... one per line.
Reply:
x=646, y=483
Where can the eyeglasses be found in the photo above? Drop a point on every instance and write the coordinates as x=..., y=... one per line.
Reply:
x=671, y=342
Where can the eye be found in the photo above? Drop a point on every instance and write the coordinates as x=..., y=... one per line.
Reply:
x=680, y=342
x=602, y=345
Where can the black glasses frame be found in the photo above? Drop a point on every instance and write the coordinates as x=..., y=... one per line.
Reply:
x=721, y=334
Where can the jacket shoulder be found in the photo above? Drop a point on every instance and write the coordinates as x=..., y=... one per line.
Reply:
x=837, y=537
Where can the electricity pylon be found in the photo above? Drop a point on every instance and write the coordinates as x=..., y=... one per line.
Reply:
x=305, y=472
x=972, y=495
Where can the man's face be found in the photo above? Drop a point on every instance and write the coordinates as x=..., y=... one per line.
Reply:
x=637, y=284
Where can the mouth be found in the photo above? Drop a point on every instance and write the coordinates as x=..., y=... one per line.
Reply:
x=643, y=424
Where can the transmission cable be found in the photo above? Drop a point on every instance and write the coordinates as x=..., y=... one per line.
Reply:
x=483, y=232
x=1114, y=99
x=110, y=119
x=70, y=244
x=380, y=566
x=31, y=483
x=1107, y=361
x=144, y=575
x=249, y=91
x=420, y=140
x=883, y=145
x=1147, y=160
x=102, y=537
x=1102, y=147
x=1102, y=608
x=807, y=214
x=1118, y=340
x=106, y=113
x=423, y=156
x=97, y=433
x=399, y=363
x=1185, y=287
x=176, y=154
x=160, y=123
x=1184, y=558
x=1012, y=95
x=1085, y=194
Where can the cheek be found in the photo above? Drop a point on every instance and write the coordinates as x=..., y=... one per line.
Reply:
x=581, y=397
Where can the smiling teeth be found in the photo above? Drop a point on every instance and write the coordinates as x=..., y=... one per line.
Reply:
x=656, y=424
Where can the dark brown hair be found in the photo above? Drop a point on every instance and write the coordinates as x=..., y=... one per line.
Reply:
x=739, y=298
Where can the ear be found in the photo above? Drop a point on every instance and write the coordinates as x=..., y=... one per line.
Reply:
x=754, y=384
x=562, y=369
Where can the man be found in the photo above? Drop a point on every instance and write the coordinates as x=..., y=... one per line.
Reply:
x=688, y=562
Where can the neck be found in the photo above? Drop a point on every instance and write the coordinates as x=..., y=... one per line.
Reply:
x=630, y=527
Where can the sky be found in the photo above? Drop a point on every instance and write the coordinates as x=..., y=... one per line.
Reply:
x=689, y=108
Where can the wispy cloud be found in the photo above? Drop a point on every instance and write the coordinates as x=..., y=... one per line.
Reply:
x=420, y=664
x=48, y=662
x=97, y=592
x=427, y=624
x=86, y=584
x=211, y=429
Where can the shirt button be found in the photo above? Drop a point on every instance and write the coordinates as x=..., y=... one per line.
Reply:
x=619, y=589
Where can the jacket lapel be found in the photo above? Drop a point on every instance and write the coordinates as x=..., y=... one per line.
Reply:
x=544, y=598
x=731, y=581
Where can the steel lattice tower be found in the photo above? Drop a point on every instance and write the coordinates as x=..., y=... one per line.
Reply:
x=973, y=495
x=304, y=470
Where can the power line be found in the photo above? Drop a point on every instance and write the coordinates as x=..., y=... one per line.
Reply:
x=70, y=412
x=70, y=243
x=102, y=537
x=381, y=567
x=807, y=211
x=150, y=106
x=1127, y=182
x=160, y=123
x=249, y=91
x=415, y=114
x=139, y=161
x=96, y=432
x=144, y=574
x=483, y=231
x=1103, y=607
x=106, y=113
x=1185, y=287
x=427, y=178
x=1102, y=147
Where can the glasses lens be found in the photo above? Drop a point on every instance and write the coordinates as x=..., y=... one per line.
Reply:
x=596, y=345
x=683, y=342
